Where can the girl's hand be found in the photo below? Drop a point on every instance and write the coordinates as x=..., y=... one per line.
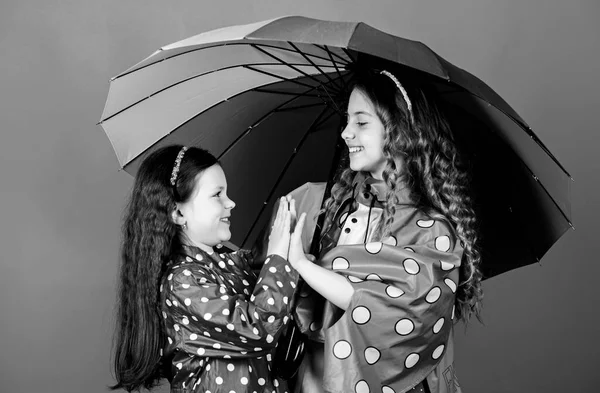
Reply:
x=296, y=250
x=279, y=239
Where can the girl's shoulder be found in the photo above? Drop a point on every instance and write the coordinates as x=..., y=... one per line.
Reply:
x=411, y=222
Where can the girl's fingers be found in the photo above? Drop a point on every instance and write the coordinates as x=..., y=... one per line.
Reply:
x=293, y=209
x=286, y=222
x=278, y=215
x=300, y=225
x=280, y=211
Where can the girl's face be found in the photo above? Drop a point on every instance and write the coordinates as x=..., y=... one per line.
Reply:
x=208, y=210
x=364, y=135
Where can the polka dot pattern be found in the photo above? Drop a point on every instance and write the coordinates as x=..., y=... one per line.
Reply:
x=372, y=355
x=411, y=360
x=374, y=247
x=215, y=291
x=361, y=315
x=387, y=389
x=442, y=243
x=342, y=349
x=391, y=240
x=411, y=266
x=393, y=292
x=355, y=279
x=425, y=223
x=362, y=387
x=446, y=266
x=438, y=325
x=451, y=284
x=438, y=352
x=404, y=327
x=433, y=295
x=340, y=263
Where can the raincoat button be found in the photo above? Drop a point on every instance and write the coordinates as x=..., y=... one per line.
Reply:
x=354, y=220
x=347, y=230
x=366, y=195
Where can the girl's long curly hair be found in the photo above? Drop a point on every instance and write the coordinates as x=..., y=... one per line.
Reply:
x=149, y=239
x=420, y=153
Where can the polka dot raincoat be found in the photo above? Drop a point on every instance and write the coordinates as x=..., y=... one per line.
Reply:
x=397, y=330
x=223, y=322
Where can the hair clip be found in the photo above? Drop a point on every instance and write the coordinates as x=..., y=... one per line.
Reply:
x=177, y=165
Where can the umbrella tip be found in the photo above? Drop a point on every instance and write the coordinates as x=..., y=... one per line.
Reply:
x=571, y=225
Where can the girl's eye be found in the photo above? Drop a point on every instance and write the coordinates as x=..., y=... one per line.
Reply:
x=361, y=123
x=218, y=194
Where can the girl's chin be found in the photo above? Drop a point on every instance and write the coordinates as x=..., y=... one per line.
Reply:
x=224, y=235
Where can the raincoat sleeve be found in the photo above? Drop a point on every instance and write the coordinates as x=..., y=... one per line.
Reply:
x=399, y=320
x=224, y=321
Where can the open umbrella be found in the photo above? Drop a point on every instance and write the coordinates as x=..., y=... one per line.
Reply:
x=267, y=99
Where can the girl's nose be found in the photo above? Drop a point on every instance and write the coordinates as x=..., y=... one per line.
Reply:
x=347, y=133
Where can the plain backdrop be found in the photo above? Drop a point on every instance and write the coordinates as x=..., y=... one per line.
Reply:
x=63, y=195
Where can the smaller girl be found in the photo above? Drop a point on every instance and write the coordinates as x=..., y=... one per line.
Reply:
x=198, y=317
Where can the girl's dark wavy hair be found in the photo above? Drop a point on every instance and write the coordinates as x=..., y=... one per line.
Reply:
x=149, y=239
x=431, y=168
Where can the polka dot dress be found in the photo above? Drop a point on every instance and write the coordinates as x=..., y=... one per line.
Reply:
x=222, y=322
x=398, y=325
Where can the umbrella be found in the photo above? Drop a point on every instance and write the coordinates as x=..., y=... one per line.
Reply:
x=267, y=98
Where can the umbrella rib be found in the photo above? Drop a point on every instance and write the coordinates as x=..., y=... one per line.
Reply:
x=325, y=119
x=186, y=80
x=344, y=85
x=291, y=108
x=207, y=47
x=259, y=90
x=217, y=104
x=545, y=190
x=288, y=64
x=279, y=76
x=539, y=142
x=326, y=49
x=528, y=130
x=260, y=120
x=311, y=62
x=288, y=163
x=349, y=55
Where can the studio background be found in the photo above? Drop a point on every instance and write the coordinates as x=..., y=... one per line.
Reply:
x=63, y=195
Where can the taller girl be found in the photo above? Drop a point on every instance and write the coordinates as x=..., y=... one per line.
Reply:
x=398, y=263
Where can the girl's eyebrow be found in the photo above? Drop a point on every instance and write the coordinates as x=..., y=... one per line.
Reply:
x=360, y=113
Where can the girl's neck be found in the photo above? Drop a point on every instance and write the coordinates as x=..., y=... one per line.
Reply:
x=190, y=243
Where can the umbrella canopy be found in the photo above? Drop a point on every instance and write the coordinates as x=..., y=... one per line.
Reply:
x=268, y=100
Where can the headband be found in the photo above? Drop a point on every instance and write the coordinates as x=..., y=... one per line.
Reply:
x=177, y=164
x=402, y=90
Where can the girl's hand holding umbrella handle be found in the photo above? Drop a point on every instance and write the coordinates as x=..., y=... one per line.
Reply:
x=279, y=238
x=328, y=284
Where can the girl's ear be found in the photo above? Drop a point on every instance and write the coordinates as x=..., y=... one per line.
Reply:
x=177, y=216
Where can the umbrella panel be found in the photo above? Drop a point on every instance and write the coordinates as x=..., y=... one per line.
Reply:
x=517, y=219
